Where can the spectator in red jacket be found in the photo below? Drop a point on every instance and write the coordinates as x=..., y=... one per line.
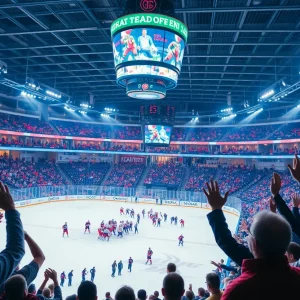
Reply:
x=270, y=235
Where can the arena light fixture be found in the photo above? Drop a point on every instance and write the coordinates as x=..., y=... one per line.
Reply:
x=105, y=115
x=227, y=109
x=229, y=117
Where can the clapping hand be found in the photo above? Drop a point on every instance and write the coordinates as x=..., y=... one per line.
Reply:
x=214, y=198
x=273, y=205
x=50, y=273
x=295, y=170
x=296, y=200
x=275, y=184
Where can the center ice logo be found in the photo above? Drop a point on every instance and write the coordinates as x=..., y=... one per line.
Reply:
x=160, y=265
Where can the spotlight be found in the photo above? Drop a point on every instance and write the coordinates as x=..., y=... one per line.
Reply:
x=267, y=94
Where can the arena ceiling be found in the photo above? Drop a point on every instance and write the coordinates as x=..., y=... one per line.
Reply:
x=241, y=47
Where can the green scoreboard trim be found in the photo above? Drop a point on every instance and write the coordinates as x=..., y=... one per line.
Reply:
x=152, y=20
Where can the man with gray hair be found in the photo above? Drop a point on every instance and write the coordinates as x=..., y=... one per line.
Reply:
x=267, y=266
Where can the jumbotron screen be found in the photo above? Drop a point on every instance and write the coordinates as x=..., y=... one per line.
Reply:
x=157, y=135
x=148, y=44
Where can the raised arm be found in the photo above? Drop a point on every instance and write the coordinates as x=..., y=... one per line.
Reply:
x=282, y=206
x=217, y=221
x=14, y=251
x=296, y=204
x=36, y=251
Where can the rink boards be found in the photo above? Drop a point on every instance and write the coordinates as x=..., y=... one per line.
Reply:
x=49, y=199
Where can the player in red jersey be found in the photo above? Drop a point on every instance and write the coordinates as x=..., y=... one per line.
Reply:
x=122, y=211
x=154, y=221
x=65, y=229
x=100, y=234
x=87, y=227
x=149, y=256
x=180, y=239
x=182, y=222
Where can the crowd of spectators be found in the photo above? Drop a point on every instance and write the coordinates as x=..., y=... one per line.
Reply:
x=198, y=175
x=204, y=134
x=85, y=173
x=201, y=134
x=125, y=175
x=24, y=124
x=170, y=150
x=33, y=143
x=168, y=175
x=128, y=132
x=82, y=129
x=197, y=150
x=22, y=174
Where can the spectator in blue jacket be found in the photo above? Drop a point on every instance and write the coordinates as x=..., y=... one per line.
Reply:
x=14, y=251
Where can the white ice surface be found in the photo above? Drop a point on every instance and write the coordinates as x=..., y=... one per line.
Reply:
x=44, y=222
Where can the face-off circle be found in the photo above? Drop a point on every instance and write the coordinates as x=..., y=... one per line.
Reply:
x=148, y=5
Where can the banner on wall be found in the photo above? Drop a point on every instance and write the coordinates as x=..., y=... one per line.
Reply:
x=132, y=159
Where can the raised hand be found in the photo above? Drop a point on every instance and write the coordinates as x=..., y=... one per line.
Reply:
x=295, y=170
x=214, y=198
x=273, y=205
x=275, y=184
x=51, y=274
x=296, y=200
x=6, y=200
x=214, y=263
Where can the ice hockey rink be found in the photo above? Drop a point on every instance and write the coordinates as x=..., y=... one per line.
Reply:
x=43, y=222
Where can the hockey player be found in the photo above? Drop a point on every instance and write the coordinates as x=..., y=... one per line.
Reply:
x=132, y=213
x=130, y=225
x=165, y=217
x=154, y=221
x=127, y=211
x=143, y=213
x=106, y=234
x=70, y=277
x=120, y=231
x=83, y=274
x=149, y=256
x=180, y=239
x=65, y=229
x=120, y=267
x=113, y=267
x=102, y=225
x=175, y=220
x=158, y=222
x=122, y=211
x=138, y=218
x=130, y=262
x=136, y=228
x=87, y=227
x=93, y=273
x=172, y=220
x=100, y=233
x=181, y=222
x=62, y=279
